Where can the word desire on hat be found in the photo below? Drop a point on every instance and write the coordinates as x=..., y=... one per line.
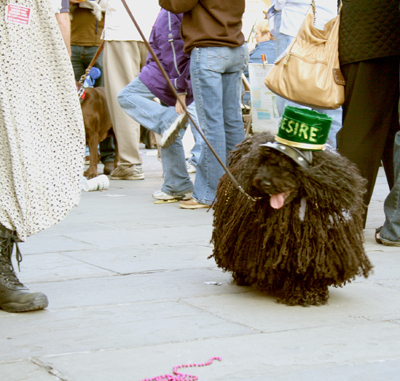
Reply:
x=17, y=14
x=302, y=130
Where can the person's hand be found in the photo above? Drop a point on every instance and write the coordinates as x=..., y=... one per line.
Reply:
x=178, y=107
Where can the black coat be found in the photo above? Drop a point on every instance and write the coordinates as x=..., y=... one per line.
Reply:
x=369, y=29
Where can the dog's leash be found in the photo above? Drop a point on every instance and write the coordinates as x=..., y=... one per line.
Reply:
x=92, y=62
x=81, y=89
x=175, y=93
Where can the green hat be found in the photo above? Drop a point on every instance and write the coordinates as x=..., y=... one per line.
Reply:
x=304, y=129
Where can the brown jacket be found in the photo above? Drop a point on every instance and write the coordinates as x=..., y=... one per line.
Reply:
x=85, y=29
x=209, y=22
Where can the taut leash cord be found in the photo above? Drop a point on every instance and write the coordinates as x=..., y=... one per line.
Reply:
x=157, y=61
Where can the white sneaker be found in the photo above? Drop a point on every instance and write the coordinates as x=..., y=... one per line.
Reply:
x=160, y=195
x=190, y=167
x=169, y=136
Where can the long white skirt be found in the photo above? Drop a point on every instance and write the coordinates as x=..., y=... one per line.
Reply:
x=41, y=128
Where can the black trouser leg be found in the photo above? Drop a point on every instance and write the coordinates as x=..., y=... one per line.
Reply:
x=370, y=117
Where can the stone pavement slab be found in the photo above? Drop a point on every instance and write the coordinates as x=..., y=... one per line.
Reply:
x=246, y=357
x=128, y=285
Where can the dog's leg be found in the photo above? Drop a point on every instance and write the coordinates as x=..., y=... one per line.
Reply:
x=94, y=156
x=116, y=156
x=304, y=295
x=240, y=279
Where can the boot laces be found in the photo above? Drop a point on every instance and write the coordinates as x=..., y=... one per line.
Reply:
x=7, y=269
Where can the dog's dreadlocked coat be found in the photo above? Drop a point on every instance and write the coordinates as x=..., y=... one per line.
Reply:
x=310, y=238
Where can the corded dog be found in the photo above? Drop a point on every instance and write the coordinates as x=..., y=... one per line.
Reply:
x=304, y=233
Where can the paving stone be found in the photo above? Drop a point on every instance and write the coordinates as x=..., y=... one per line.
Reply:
x=56, y=268
x=25, y=371
x=147, y=286
x=157, y=258
x=107, y=327
x=262, y=356
x=353, y=303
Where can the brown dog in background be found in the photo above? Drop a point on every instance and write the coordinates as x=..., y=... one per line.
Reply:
x=98, y=125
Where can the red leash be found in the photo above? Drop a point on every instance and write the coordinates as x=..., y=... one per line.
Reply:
x=182, y=376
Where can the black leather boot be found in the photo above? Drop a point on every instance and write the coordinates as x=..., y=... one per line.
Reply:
x=14, y=296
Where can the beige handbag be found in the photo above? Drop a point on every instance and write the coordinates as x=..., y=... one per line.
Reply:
x=309, y=73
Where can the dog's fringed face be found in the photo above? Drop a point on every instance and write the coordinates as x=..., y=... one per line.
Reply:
x=277, y=176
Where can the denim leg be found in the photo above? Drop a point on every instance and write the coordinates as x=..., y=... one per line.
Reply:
x=207, y=91
x=99, y=65
x=208, y=68
x=137, y=101
x=81, y=58
x=336, y=116
x=391, y=227
x=77, y=64
x=233, y=121
x=282, y=42
x=176, y=177
x=336, y=125
x=196, y=150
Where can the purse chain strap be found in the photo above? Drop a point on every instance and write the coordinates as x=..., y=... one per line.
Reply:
x=313, y=9
x=315, y=12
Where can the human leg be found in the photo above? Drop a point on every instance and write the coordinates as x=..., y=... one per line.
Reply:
x=99, y=64
x=232, y=83
x=14, y=296
x=390, y=232
x=107, y=154
x=49, y=150
x=86, y=55
x=369, y=117
x=176, y=178
x=196, y=150
x=282, y=42
x=336, y=125
x=122, y=63
x=137, y=101
x=208, y=66
x=208, y=95
x=76, y=60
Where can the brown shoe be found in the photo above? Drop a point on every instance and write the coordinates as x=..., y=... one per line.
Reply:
x=108, y=167
x=134, y=172
x=192, y=204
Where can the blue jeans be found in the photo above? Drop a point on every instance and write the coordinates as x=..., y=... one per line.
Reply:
x=391, y=227
x=216, y=79
x=81, y=56
x=198, y=140
x=282, y=42
x=137, y=101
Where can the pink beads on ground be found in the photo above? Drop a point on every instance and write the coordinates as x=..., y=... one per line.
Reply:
x=179, y=376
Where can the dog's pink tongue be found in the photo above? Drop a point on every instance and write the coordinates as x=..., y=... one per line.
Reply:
x=278, y=200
